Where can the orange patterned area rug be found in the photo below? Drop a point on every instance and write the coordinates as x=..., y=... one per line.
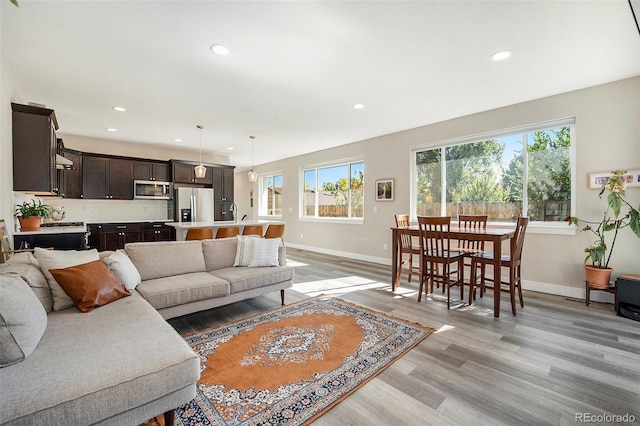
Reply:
x=293, y=363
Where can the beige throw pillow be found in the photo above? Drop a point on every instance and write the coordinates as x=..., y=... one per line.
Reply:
x=22, y=320
x=244, y=249
x=56, y=259
x=120, y=264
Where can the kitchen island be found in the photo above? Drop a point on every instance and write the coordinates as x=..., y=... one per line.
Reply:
x=183, y=227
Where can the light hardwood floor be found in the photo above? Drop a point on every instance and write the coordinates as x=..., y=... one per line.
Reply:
x=556, y=359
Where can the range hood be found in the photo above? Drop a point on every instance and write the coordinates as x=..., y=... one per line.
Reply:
x=63, y=163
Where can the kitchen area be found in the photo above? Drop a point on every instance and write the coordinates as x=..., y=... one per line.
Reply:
x=105, y=201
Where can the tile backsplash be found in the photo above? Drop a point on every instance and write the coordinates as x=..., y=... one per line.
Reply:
x=106, y=210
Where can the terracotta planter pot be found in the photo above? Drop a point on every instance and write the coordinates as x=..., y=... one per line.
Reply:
x=597, y=277
x=31, y=223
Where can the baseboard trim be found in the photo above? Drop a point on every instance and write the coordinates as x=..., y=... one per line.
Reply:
x=540, y=287
x=348, y=255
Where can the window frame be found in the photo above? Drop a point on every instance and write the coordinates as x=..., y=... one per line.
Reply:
x=262, y=202
x=327, y=164
x=535, y=227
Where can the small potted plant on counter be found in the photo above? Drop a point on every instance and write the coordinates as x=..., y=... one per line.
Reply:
x=30, y=214
x=598, y=273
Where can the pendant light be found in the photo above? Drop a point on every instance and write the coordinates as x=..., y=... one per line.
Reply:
x=201, y=171
x=253, y=176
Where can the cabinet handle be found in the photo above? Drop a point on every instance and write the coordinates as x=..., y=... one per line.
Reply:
x=157, y=226
x=121, y=226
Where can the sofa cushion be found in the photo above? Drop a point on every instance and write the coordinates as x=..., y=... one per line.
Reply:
x=89, y=366
x=181, y=289
x=219, y=253
x=22, y=320
x=90, y=285
x=120, y=264
x=25, y=265
x=166, y=258
x=264, y=252
x=244, y=278
x=56, y=259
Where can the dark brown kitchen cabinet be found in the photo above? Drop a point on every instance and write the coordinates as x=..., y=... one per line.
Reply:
x=115, y=235
x=154, y=231
x=223, y=179
x=70, y=179
x=185, y=173
x=105, y=177
x=151, y=170
x=34, y=149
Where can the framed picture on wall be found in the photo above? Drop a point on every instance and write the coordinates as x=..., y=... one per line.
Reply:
x=632, y=178
x=384, y=190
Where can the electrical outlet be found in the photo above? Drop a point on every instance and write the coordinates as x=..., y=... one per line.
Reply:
x=301, y=236
x=375, y=209
x=385, y=246
x=290, y=209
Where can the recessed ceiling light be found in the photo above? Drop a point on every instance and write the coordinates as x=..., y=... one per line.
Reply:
x=119, y=108
x=219, y=49
x=358, y=106
x=230, y=148
x=111, y=129
x=501, y=55
x=177, y=140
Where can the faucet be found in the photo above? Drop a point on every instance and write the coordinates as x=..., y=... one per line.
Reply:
x=234, y=211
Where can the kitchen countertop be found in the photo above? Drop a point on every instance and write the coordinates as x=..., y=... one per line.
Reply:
x=215, y=224
x=91, y=222
x=55, y=230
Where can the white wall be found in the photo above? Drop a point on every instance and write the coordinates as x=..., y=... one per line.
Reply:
x=607, y=138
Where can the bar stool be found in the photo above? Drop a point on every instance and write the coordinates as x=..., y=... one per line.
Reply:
x=274, y=231
x=199, y=234
x=252, y=230
x=228, y=231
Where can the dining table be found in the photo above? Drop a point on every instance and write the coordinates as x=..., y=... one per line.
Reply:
x=496, y=236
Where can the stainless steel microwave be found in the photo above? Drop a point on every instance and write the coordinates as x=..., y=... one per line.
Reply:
x=152, y=190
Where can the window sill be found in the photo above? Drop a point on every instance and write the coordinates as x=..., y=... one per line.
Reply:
x=356, y=221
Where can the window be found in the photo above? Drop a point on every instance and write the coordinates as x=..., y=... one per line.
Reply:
x=501, y=175
x=271, y=195
x=334, y=191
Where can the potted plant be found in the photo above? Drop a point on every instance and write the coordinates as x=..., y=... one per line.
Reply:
x=31, y=213
x=598, y=273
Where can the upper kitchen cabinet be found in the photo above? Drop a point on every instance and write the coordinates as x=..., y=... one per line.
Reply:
x=106, y=177
x=34, y=149
x=223, y=178
x=183, y=172
x=70, y=179
x=151, y=170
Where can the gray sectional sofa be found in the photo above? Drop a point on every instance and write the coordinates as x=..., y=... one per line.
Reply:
x=121, y=363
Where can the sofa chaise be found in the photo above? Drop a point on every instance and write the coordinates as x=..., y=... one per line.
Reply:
x=120, y=363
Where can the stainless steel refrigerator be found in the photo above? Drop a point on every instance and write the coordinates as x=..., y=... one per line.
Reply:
x=194, y=204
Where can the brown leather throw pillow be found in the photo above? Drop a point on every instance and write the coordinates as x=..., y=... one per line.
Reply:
x=90, y=285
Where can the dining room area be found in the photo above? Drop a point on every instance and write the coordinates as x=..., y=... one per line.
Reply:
x=463, y=254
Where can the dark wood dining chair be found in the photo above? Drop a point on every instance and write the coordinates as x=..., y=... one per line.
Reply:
x=252, y=230
x=513, y=261
x=199, y=234
x=274, y=231
x=435, y=253
x=228, y=231
x=470, y=247
x=406, y=247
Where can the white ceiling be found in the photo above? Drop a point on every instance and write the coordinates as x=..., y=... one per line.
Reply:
x=296, y=68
